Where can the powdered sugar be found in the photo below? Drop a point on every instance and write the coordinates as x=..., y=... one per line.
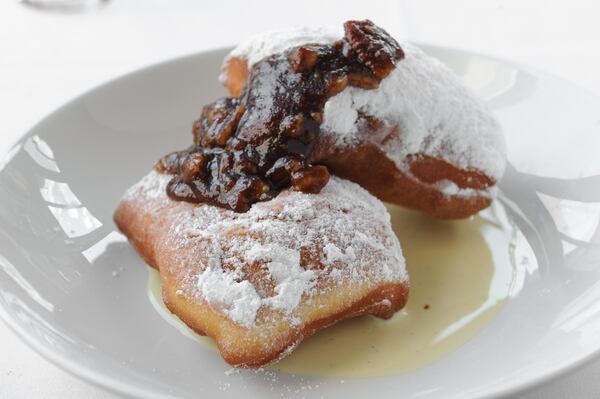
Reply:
x=281, y=252
x=334, y=254
x=284, y=266
x=451, y=189
x=153, y=186
x=237, y=299
x=264, y=44
x=436, y=113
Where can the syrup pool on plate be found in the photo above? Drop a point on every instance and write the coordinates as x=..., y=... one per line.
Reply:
x=461, y=273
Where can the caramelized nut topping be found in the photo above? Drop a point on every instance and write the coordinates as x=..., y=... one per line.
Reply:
x=365, y=81
x=311, y=179
x=247, y=149
x=280, y=173
x=217, y=123
x=194, y=167
x=337, y=82
x=303, y=59
x=169, y=163
x=373, y=46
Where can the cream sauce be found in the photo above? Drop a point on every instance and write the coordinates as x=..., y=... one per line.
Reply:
x=461, y=273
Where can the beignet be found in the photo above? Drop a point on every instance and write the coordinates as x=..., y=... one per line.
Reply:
x=420, y=139
x=260, y=282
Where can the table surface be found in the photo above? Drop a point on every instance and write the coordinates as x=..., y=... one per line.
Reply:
x=50, y=56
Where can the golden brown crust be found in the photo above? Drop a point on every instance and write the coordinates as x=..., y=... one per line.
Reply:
x=366, y=164
x=384, y=180
x=234, y=75
x=148, y=224
x=249, y=349
x=139, y=230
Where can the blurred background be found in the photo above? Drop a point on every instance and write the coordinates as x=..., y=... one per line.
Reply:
x=53, y=50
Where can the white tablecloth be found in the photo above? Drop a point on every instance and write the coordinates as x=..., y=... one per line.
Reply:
x=48, y=57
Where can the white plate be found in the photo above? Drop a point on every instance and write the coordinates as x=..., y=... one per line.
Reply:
x=76, y=292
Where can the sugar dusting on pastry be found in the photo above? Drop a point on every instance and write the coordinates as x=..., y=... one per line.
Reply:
x=284, y=266
x=437, y=114
x=264, y=44
x=451, y=189
x=153, y=186
x=302, y=242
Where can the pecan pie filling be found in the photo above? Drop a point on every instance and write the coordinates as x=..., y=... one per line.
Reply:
x=248, y=149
